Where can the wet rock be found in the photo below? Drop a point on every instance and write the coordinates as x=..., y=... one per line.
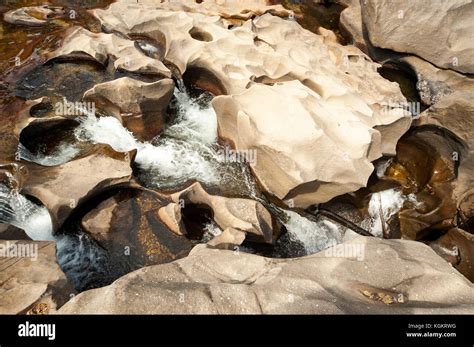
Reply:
x=424, y=167
x=454, y=114
x=142, y=106
x=226, y=282
x=129, y=227
x=13, y=175
x=443, y=41
x=457, y=247
x=433, y=83
x=34, y=15
x=10, y=232
x=62, y=188
x=31, y=277
x=246, y=215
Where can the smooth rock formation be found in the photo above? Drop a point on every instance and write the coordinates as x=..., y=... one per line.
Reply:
x=245, y=215
x=141, y=105
x=62, y=188
x=80, y=43
x=440, y=33
x=129, y=227
x=34, y=15
x=31, y=278
x=217, y=281
x=457, y=247
x=313, y=70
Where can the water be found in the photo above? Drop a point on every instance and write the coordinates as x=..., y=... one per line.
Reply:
x=382, y=206
x=17, y=210
x=314, y=236
x=64, y=153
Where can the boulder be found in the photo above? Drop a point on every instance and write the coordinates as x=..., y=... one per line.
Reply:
x=30, y=279
x=80, y=43
x=129, y=227
x=443, y=41
x=391, y=277
x=278, y=60
x=245, y=215
x=34, y=15
x=62, y=188
x=142, y=106
x=457, y=247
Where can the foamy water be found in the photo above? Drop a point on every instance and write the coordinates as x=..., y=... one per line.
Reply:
x=315, y=236
x=382, y=206
x=17, y=210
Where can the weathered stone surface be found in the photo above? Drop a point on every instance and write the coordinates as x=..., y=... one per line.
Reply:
x=246, y=215
x=26, y=282
x=228, y=239
x=129, y=227
x=350, y=21
x=455, y=113
x=62, y=188
x=433, y=83
x=33, y=15
x=218, y=281
x=101, y=47
x=141, y=105
x=444, y=41
x=457, y=247
x=309, y=69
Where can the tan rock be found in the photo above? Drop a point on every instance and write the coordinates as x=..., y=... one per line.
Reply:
x=228, y=239
x=101, y=47
x=226, y=282
x=246, y=215
x=457, y=247
x=142, y=105
x=170, y=215
x=62, y=188
x=33, y=15
x=444, y=40
x=31, y=277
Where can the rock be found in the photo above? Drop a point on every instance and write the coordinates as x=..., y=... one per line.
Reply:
x=80, y=43
x=443, y=41
x=34, y=15
x=457, y=247
x=218, y=281
x=245, y=215
x=433, y=83
x=62, y=188
x=10, y=232
x=170, y=215
x=31, y=278
x=350, y=22
x=228, y=239
x=230, y=9
x=455, y=113
x=142, y=106
x=129, y=227
x=278, y=60
x=426, y=172
x=13, y=175
x=302, y=156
